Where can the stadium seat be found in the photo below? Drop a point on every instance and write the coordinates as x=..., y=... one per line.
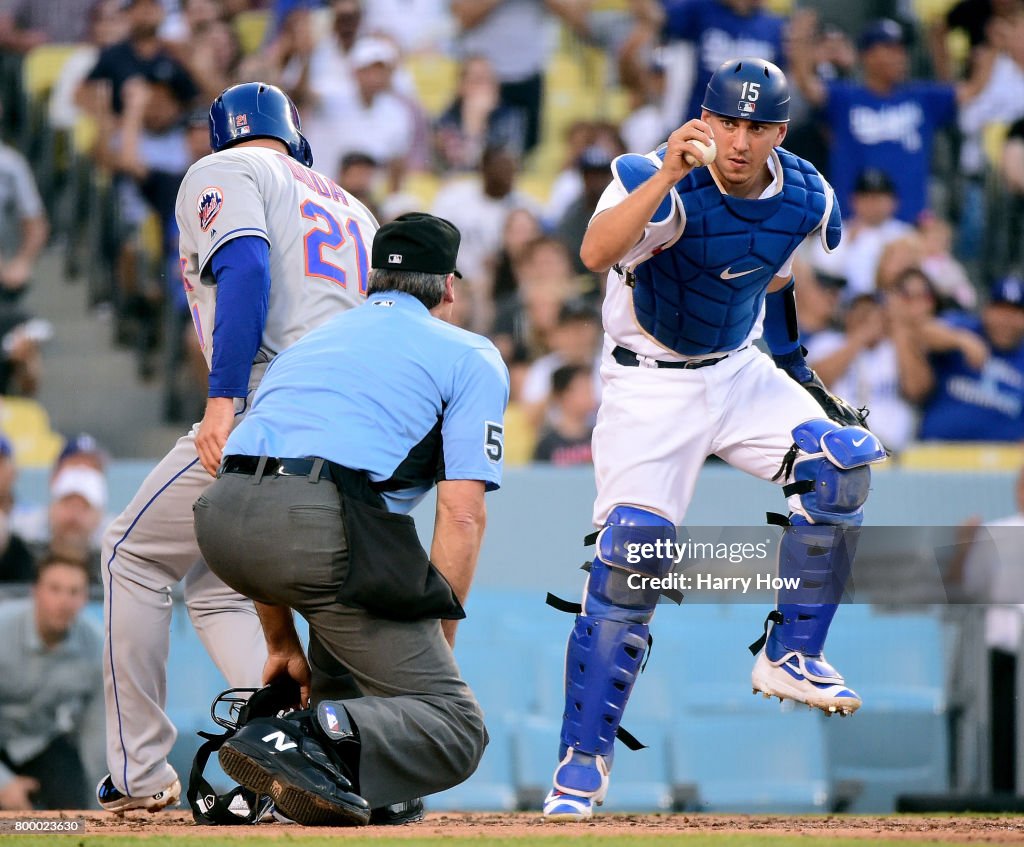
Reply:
x=771, y=762
x=435, y=76
x=42, y=68
x=251, y=28
x=27, y=425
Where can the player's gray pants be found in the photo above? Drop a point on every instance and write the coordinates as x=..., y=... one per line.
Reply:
x=147, y=550
x=282, y=542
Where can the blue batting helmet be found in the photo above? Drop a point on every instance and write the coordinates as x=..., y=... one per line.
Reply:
x=749, y=88
x=257, y=110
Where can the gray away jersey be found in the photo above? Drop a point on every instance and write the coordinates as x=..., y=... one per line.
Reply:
x=319, y=238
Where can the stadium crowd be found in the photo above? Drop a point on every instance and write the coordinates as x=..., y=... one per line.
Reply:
x=504, y=116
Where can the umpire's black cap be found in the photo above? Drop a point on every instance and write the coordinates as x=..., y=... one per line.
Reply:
x=417, y=242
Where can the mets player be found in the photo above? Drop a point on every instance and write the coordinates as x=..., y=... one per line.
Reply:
x=701, y=264
x=269, y=249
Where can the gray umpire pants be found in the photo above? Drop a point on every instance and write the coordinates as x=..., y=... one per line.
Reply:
x=280, y=540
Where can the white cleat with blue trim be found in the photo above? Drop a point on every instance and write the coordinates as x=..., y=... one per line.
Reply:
x=114, y=801
x=580, y=783
x=804, y=679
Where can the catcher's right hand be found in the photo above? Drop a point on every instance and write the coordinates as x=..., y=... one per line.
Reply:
x=836, y=408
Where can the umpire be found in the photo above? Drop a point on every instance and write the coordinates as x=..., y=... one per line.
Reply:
x=350, y=427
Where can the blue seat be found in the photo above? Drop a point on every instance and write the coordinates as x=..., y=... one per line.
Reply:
x=774, y=762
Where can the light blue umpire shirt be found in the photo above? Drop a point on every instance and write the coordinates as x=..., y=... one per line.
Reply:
x=389, y=389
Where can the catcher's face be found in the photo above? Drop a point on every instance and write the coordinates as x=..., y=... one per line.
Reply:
x=743, y=146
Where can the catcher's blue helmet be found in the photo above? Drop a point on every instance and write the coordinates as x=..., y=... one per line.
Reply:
x=257, y=110
x=749, y=88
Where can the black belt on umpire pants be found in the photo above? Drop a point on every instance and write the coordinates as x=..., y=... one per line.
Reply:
x=629, y=359
x=250, y=466
x=352, y=483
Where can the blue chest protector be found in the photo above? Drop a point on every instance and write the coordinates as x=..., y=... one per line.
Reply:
x=704, y=293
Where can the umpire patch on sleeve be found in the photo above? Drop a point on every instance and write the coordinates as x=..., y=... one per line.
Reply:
x=494, y=441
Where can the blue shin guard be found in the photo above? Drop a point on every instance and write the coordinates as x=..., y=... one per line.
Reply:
x=831, y=477
x=604, y=656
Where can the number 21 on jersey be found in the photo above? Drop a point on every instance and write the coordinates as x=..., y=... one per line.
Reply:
x=328, y=235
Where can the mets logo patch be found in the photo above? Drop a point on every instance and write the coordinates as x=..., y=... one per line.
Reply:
x=211, y=200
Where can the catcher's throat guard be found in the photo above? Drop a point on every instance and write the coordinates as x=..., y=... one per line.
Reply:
x=231, y=710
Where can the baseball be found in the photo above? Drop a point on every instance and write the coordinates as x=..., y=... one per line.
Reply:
x=708, y=153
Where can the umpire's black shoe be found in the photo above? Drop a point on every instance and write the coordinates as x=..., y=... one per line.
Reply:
x=409, y=811
x=291, y=760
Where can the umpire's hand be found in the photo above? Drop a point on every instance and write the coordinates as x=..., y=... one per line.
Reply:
x=214, y=431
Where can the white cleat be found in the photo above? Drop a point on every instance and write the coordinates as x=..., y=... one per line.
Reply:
x=580, y=783
x=114, y=801
x=804, y=679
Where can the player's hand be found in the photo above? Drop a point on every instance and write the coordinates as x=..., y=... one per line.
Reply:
x=675, y=166
x=14, y=796
x=290, y=663
x=214, y=431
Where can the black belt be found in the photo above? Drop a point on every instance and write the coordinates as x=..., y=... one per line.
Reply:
x=630, y=359
x=248, y=465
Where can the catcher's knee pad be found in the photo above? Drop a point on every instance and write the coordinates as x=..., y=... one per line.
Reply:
x=829, y=468
x=633, y=541
x=602, y=661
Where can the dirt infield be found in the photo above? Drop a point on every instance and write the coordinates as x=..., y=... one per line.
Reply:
x=992, y=829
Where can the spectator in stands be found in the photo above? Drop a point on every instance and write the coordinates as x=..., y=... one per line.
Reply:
x=526, y=320
x=152, y=151
x=72, y=521
x=897, y=257
x=879, y=363
x=869, y=227
x=575, y=340
x=183, y=24
x=521, y=227
x=479, y=208
x=971, y=17
x=948, y=276
x=141, y=54
x=107, y=26
x=315, y=68
x=642, y=73
x=376, y=121
x=568, y=184
x=25, y=24
x=883, y=121
x=23, y=225
x=979, y=394
x=987, y=564
x=360, y=174
x=711, y=32
x=476, y=119
x=212, y=55
x=565, y=439
x=511, y=34
x=817, y=299
x=51, y=693
x=595, y=172
x=414, y=25
x=1011, y=169
x=17, y=563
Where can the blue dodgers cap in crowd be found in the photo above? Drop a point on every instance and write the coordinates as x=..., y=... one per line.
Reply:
x=882, y=31
x=1009, y=290
x=81, y=443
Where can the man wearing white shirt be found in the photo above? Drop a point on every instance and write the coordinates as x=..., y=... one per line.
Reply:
x=865, y=235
